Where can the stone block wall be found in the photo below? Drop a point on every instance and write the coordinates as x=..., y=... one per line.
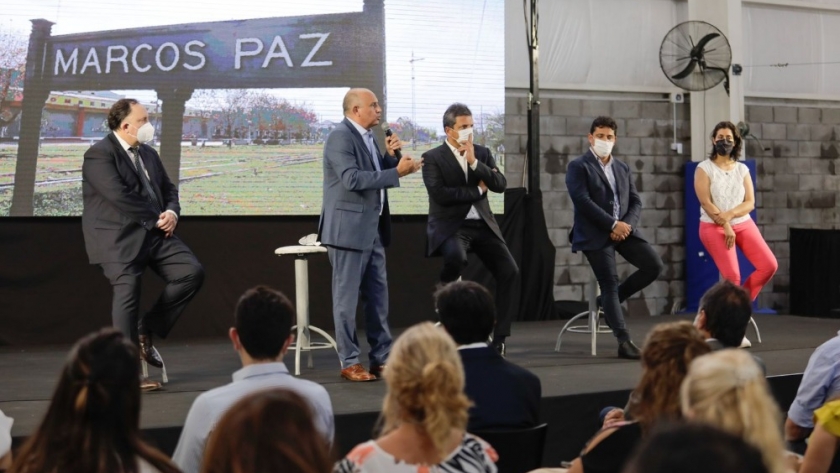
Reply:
x=797, y=153
x=797, y=157
x=644, y=137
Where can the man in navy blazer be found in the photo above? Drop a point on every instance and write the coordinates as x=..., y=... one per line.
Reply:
x=504, y=395
x=458, y=174
x=355, y=227
x=129, y=222
x=606, y=218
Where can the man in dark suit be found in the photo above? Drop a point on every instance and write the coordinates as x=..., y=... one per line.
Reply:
x=458, y=175
x=355, y=227
x=504, y=395
x=606, y=217
x=130, y=213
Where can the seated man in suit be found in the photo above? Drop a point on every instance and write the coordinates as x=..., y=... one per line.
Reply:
x=131, y=210
x=504, y=395
x=606, y=218
x=457, y=175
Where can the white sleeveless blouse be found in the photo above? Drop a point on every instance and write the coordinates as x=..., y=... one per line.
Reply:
x=727, y=189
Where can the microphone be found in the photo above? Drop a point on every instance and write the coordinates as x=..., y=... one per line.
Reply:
x=388, y=132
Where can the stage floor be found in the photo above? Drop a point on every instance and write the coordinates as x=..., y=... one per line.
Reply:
x=29, y=374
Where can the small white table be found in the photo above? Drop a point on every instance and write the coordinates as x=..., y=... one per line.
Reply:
x=302, y=340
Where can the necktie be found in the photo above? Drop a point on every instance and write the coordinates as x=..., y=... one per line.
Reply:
x=145, y=179
x=375, y=158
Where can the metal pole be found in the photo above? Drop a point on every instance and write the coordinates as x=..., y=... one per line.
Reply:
x=534, y=104
x=413, y=116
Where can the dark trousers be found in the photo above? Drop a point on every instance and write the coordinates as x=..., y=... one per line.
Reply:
x=640, y=254
x=170, y=259
x=475, y=235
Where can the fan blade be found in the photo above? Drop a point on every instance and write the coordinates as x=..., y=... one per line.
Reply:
x=685, y=72
x=703, y=42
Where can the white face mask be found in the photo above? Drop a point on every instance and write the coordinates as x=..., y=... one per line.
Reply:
x=464, y=135
x=145, y=133
x=603, y=148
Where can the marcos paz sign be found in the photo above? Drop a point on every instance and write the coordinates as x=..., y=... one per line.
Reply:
x=318, y=51
x=336, y=50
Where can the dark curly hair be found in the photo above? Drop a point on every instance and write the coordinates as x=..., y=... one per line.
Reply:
x=666, y=355
x=736, y=150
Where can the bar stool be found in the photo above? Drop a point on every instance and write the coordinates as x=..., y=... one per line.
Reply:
x=593, y=326
x=755, y=326
x=145, y=367
x=302, y=340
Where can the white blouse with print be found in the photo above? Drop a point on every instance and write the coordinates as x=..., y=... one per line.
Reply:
x=727, y=189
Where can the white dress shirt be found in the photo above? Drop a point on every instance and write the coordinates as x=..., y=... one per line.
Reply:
x=364, y=131
x=462, y=161
x=126, y=147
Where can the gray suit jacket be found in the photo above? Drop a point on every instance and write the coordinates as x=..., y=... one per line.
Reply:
x=351, y=206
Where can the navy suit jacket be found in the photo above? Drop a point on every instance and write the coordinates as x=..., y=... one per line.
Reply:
x=593, y=199
x=350, y=214
x=117, y=213
x=451, y=193
x=506, y=396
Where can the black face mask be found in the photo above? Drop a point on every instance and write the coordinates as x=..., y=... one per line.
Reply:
x=723, y=147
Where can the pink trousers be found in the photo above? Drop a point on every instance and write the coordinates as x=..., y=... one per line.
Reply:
x=749, y=240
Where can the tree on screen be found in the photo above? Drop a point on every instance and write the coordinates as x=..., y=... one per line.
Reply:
x=13, y=48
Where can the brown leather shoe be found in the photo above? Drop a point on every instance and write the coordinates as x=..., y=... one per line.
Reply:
x=377, y=370
x=147, y=352
x=147, y=385
x=357, y=372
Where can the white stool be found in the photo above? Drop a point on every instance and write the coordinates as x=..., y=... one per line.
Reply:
x=593, y=327
x=145, y=367
x=755, y=326
x=302, y=339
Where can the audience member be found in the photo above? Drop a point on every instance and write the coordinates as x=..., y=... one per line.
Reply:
x=503, y=394
x=821, y=456
x=5, y=441
x=261, y=335
x=92, y=422
x=424, y=413
x=666, y=355
x=725, y=312
x=727, y=389
x=695, y=448
x=268, y=431
x=820, y=382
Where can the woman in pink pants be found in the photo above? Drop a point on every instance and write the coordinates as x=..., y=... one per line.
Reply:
x=727, y=197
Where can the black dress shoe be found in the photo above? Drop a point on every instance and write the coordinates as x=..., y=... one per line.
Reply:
x=377, y=370
x=148, y=353
x=629, y=350
x=500, y=347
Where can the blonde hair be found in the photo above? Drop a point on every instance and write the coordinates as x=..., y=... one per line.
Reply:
x=727, y=389
x=425, y=382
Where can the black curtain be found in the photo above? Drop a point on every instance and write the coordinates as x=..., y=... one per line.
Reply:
x=814, y=273
x=525, y=232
